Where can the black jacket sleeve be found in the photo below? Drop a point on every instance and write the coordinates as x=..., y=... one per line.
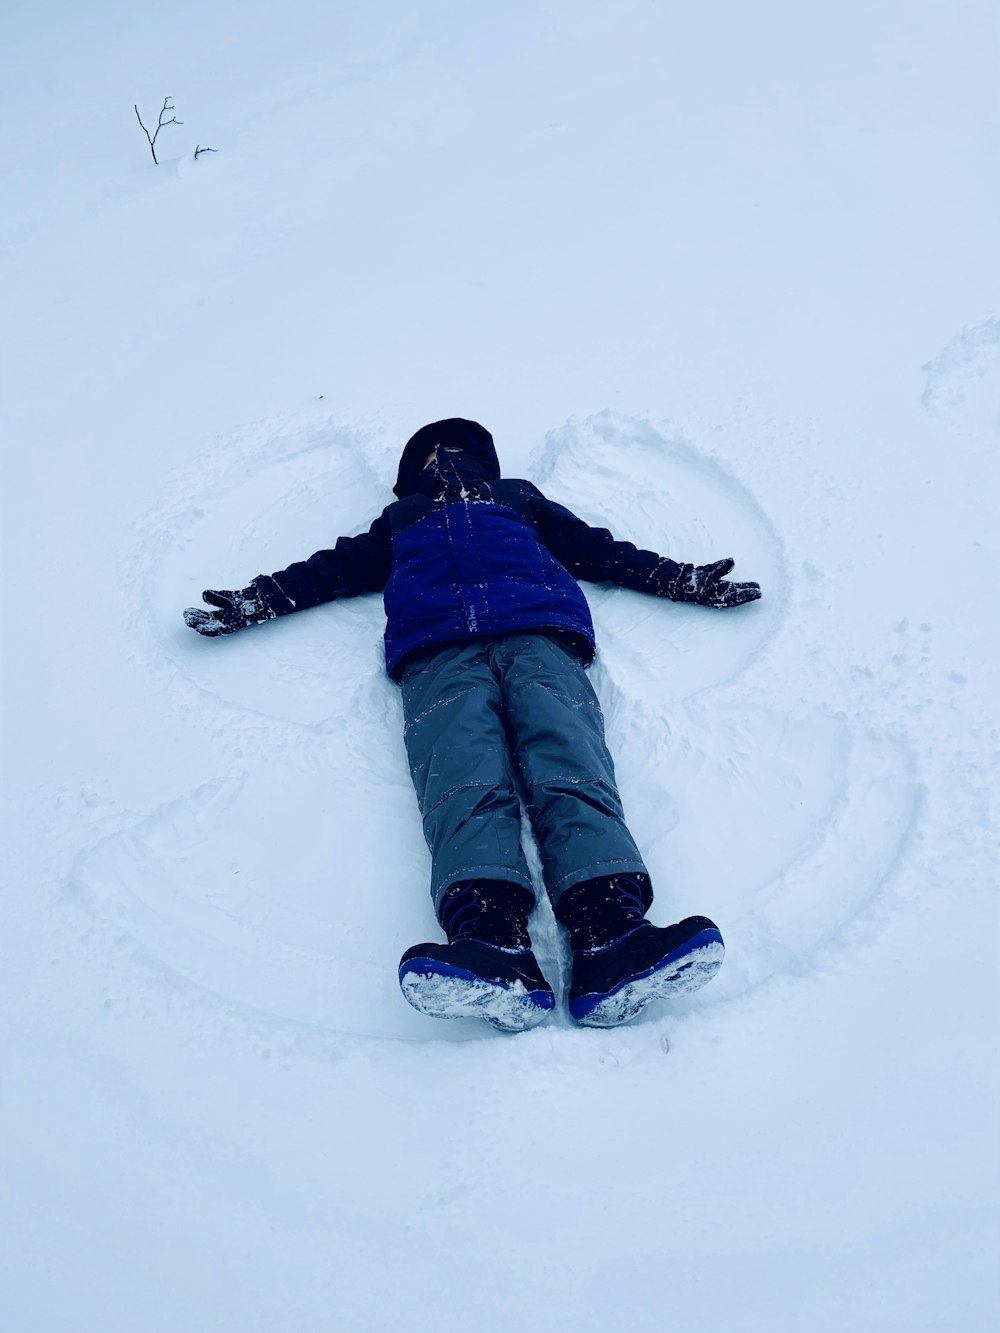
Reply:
x=355, y=565
x=594, y=554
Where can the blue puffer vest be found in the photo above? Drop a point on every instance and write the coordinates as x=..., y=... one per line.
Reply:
x=465, y=554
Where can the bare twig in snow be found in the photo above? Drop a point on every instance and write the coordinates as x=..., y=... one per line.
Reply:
x=198, y=152
x=167, y=106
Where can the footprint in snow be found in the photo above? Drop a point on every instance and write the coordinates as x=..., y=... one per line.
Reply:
x=962, y=383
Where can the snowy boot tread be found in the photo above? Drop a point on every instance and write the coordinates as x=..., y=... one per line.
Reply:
x=613, y=984
x=471, y=979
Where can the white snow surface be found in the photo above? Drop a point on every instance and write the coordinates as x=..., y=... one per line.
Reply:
x=724, y=277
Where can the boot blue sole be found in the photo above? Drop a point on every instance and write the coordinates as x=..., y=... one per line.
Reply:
x=686, y=969
x=441, y=991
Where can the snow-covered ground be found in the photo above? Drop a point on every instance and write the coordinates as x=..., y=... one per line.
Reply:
x=723, y=277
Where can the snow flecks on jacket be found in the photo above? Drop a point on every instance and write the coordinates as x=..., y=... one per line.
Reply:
x=467, y=554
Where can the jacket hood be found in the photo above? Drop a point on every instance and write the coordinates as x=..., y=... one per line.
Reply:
x=469, y=436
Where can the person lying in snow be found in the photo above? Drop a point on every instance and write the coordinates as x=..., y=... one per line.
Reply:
x=488, y=634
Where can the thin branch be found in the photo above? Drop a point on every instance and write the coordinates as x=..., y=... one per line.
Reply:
x=167, y=106
x=145, y=131
x=199, y=150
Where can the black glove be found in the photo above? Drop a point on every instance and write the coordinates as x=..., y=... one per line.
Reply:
x=233, y=611
x=707, y=585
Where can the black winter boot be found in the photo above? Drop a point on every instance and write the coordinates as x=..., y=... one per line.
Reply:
x=621, y=961
x=487, y=969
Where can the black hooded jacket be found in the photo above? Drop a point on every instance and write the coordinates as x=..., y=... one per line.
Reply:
x=464, y=554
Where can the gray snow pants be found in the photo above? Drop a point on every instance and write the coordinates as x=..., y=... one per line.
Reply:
x=488, y=720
